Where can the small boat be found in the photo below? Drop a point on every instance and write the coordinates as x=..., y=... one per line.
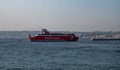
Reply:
x=48, y=36
x=101, y=39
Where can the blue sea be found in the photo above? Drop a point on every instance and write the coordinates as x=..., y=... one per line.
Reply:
x=17, y=53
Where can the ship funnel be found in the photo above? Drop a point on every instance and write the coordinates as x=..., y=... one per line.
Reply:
x=45, y=31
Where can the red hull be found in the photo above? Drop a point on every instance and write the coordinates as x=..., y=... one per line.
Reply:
x=46, y=36
x=52, y=38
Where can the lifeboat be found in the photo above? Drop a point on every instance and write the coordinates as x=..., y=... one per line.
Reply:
x=47, y=36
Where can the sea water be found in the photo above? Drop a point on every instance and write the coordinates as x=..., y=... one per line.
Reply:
x=17, y=53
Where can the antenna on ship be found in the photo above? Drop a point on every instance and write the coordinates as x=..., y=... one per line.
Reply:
x=40, y=28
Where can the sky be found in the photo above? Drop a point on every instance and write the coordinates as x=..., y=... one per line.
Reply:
x=63, y=15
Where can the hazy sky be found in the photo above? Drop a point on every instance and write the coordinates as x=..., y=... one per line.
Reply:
x=72, y=15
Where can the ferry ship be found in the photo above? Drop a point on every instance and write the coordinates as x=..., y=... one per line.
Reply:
x=48, y=36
